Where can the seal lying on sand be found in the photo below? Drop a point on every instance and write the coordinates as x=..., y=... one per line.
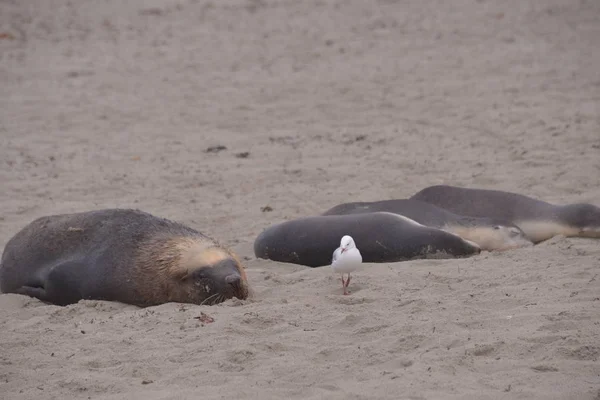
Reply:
x=380, y=236
x=537, y=219
x=488, y=233
x=119, y=255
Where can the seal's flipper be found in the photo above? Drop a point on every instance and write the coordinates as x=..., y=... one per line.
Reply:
x=36, y=292
x=59, y=284
x=64, y=283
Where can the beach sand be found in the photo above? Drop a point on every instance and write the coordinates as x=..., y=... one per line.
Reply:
x=315, y=103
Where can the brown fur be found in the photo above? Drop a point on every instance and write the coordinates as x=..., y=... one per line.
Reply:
x=119, y=255
x=162, y=267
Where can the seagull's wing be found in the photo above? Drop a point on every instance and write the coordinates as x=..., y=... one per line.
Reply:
x=336, y=255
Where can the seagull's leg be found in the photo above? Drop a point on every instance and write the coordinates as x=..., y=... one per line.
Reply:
x=345, y=284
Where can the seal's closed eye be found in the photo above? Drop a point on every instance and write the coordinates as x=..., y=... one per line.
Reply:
x=201, y=274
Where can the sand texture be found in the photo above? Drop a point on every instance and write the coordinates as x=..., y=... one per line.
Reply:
x=114, y=103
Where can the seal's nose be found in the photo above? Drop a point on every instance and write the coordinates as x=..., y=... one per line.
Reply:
x=237, y=285
x=233, y=279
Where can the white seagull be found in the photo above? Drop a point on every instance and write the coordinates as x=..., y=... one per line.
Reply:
x=346, y=259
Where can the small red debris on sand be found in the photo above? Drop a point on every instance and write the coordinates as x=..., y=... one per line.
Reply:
x=207, y=319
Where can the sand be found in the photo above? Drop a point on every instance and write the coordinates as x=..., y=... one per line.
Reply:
x=115, y=104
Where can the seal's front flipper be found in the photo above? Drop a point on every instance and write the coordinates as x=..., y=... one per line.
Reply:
x=37, y=292
x=58, y=284
x=63, y=283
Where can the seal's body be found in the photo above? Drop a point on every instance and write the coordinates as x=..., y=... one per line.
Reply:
x=538, y=219
x=488, y=233
x=380, y=236
x=119, y=255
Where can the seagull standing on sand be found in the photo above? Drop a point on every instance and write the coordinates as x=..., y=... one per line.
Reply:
x=346, y=259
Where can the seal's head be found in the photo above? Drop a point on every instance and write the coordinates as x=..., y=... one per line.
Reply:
x=496, y=236
x=583, y=217
x=508, y=236
x=189, y=270
x=211, y=275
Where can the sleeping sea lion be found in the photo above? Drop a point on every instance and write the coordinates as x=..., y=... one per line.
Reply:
x=380, y=236
x=488, y=233
x=538, y=219
x=119, y=255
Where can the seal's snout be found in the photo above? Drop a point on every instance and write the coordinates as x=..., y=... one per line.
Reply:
x=236, y=285
x=472, y=247
x=233, y=279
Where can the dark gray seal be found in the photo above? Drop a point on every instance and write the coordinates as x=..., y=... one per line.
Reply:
x=380, y=237
x=119, y=255
x=488, y=233
x=538, y=219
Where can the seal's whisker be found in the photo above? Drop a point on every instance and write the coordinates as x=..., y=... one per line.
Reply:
x=209, y=299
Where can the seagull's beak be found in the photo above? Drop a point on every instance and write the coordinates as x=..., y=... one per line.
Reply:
x=343, y=249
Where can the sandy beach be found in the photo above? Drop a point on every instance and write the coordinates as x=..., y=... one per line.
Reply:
x=233, y=115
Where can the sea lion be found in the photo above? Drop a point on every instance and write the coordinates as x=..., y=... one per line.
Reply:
x=121, y=255
x=538, y=219
x=380, y=236
x=488, y=233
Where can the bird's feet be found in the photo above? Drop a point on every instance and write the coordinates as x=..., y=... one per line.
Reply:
x=345, y=284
